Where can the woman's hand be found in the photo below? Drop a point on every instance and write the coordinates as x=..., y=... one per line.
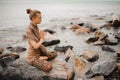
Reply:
x=43, y=58
x=41, y=33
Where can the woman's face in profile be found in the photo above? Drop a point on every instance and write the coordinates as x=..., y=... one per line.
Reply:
x=38, y=18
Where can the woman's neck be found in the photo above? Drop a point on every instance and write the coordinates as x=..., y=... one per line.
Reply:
x=34, y=24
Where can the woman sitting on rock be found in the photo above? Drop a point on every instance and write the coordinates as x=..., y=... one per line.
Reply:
x=37, y=55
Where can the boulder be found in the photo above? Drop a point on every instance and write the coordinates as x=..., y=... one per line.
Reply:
x=17, y=49
x=104, y=65
x=50, y=43
x=21, y=69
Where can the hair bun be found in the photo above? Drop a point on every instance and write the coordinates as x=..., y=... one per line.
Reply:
x=28, y=11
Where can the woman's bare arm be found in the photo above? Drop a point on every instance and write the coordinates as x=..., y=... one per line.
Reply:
x=35, y=44
x=41, y=33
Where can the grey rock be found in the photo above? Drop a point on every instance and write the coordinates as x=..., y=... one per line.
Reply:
x=111, y=41
x=22, y=70
x=107, y=48
x=105, y=65
x=17, y=49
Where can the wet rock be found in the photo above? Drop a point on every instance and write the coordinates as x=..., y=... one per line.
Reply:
x=109, y=21
x=50, y=43
x=17, y=49
x=116, y=20
x=114, y=75
x=1, y=50
x=107, y=48
x=81, y=24
x=104, y=65
x=63, y=48
x=116, y=23
x=91, y=39
x=93, y=29
x=5, y=59
x=111, y=41
x=90, y=55
x=49, y=31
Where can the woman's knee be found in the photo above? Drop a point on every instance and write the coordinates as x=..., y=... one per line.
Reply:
x=49, y=67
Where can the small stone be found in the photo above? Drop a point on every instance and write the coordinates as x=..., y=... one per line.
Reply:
x=63, y=28
x=49, y=31
x=17, y=49
x=107, y=48
x=91, y=40
x=81, y=24
x=63, y=48
x=50, y=43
